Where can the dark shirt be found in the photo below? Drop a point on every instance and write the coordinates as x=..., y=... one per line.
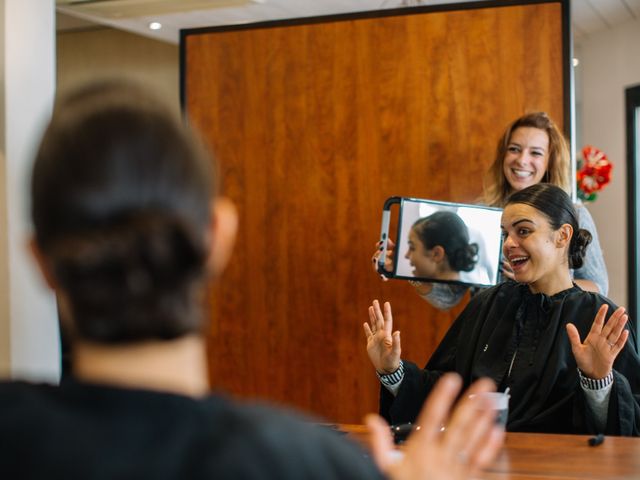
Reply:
x=82, y=431
x=519, y=339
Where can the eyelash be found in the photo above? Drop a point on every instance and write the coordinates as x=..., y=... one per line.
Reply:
x=521, y=232
x=513, y=149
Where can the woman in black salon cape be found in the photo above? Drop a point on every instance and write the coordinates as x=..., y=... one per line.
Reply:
x=544, y=385
x=571, y=365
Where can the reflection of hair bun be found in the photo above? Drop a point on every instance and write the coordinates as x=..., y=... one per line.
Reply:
x=448, y=230
x=130, y=278
x=464, y=259
x=578, y=248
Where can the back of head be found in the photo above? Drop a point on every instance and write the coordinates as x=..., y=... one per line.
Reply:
x=120, y=205
x=449, y=231
x=556, y=205
x=496, y=187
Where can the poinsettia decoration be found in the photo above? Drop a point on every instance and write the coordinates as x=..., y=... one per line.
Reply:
x=594, y=173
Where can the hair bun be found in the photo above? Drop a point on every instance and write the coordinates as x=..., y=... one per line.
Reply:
x=578, y=248
x=119, y=272
x=465, y=258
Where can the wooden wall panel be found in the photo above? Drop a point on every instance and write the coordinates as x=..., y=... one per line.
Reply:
x=314, y=126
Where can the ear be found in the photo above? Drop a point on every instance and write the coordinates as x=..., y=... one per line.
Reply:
x=222, y=234
x=438, y=254
x=563, y=235
x=43, y=265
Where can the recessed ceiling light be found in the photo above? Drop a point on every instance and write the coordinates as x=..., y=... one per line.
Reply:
x=576, y=62
x=155, y=25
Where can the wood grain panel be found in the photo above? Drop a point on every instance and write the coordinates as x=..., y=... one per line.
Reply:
x=315, y=125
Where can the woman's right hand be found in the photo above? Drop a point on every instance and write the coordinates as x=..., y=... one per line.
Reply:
x=383, y=346
x=471, y=441
x=388, y=259
x=507, y=272
x=422, y=288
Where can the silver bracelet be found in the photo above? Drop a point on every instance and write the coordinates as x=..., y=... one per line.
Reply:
x=595, y=384
x=393, y=378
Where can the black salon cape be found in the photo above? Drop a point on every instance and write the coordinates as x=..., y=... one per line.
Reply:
x=545, y=392
x=97, y=432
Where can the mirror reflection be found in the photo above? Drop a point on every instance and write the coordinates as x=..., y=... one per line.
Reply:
x=446, y=242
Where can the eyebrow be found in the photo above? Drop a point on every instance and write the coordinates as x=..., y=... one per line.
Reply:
x=522, y=220
x=518, y=222
x=517, y=144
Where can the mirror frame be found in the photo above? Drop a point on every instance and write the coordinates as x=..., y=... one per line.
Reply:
x=632, y=106
x=397, y=237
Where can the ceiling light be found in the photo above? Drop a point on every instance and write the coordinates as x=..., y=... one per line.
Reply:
x=576, y=62
x=155, y=25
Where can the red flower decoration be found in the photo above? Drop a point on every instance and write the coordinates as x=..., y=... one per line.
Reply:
x=594, y=173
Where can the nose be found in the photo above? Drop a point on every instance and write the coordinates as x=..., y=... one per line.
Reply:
x=520, y=157
x=407, y=256
x=509, y=242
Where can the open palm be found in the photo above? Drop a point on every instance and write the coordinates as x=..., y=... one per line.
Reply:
x=595, y=356
x=383, y=345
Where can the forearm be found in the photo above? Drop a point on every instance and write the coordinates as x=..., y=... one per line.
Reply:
x=597, y=394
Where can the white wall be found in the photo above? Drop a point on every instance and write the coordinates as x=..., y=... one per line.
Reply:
x=609, y=63
x=28, y=317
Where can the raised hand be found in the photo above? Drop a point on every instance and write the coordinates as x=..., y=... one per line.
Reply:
x=604, y=342
x=470, y=442
x=383, y=345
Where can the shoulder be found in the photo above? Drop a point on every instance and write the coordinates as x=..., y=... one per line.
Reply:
x=506, y=289
x=15, y=396
x=585, y=299
x=25, y=408
x=584, y=216
x=286, y=444
x=580, y=306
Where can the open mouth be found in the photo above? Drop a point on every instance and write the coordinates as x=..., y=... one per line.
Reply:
x=521, y=173
x=517, y=262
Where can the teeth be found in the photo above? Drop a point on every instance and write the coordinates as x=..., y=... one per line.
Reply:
x=518, y=259
x=521, y=173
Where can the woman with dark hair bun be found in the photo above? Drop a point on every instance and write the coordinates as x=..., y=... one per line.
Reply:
x=128, y=228
x=439, y=247
x=570, y=367
x=531, y=150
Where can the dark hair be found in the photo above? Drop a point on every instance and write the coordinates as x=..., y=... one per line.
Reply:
x=556, y=205
x=120, y=198
x=449, y=231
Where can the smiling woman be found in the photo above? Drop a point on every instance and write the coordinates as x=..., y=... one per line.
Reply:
x=578, y=377
x=531, y=150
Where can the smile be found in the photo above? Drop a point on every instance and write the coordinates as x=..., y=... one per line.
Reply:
x=521, y=173
x=517, y=261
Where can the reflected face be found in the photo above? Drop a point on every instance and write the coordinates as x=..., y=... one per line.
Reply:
x=527, y=157
x=420, y=258
x=532, y=247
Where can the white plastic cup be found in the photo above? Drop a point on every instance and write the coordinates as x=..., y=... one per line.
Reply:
x=500, y=402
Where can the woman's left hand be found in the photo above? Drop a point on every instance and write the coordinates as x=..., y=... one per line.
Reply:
x=604, y=342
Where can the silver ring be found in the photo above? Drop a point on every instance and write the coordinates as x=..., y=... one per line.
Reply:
x=610, y=344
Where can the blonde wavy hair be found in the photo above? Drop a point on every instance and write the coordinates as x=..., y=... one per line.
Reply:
x=496, y=187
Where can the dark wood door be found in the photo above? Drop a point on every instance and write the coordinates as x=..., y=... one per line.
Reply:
x=315, y=124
